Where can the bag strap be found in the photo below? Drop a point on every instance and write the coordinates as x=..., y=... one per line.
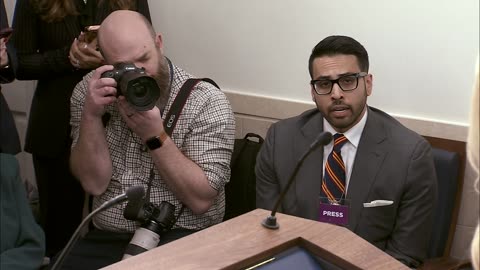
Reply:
x=179, y=102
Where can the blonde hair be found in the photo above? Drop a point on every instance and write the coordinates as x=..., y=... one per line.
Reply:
x=473, y=149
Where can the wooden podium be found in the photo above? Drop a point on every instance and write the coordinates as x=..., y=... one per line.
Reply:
x=242, y=242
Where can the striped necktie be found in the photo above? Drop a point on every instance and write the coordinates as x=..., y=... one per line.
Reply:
x=333, y=184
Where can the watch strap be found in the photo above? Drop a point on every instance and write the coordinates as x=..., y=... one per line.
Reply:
x=157, y=141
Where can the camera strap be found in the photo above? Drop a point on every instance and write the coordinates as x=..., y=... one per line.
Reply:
x=179, y=103
x=149, y=187
x=171, y=122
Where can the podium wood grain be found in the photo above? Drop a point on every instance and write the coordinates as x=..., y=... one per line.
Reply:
x=243, y=241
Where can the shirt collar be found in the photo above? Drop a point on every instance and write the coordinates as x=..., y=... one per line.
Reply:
x=354, y=133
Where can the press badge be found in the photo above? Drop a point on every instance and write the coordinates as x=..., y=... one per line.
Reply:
x=334, y=212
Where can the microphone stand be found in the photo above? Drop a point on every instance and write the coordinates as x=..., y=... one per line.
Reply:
x=135, y=192
x=271, y=221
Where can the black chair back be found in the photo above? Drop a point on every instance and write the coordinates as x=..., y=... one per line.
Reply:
x=447, y=165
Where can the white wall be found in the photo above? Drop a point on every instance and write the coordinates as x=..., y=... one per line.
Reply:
x=422, y=53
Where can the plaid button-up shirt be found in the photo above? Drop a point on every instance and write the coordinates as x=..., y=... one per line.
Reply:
x=204, y=133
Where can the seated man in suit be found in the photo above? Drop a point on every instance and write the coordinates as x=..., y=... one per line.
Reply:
x=374, y=158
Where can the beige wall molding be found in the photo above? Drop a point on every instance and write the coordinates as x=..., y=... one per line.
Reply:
x=258, y=108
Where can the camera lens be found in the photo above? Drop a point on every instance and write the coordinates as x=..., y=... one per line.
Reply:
x=141, y=91
x=144, y=239
x=155, y=220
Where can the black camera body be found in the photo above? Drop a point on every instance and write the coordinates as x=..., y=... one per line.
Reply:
x=139, y=89
x=154, y=221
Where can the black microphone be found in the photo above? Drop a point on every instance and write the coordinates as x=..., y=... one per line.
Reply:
x=134, y=193
x=322, y=139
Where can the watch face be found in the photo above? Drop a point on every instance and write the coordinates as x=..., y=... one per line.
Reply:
x=154, y=143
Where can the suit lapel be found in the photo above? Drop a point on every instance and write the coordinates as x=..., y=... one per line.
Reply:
x=368, y=159
x=307, y=182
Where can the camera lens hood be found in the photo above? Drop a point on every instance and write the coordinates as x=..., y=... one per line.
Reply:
x=140, y=90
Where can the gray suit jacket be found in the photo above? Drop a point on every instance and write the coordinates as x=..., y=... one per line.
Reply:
x=392, y=163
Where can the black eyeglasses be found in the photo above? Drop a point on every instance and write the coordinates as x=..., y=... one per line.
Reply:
x=346, y=83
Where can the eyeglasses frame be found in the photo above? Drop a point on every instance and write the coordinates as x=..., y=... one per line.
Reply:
x=356, y=75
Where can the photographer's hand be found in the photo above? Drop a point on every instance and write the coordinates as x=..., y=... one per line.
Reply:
x=184, y=178
x=100, y=92
x=146, y=124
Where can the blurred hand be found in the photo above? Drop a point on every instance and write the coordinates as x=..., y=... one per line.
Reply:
x=84, y=55
x=100, y=93
x=146, y=124
x=3, y=53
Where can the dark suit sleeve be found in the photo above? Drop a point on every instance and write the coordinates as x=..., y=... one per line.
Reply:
x=26, y=249
x=142, y=7
x=409, y=240
x=6, y=74
x=33, y=62
x=267, y=186
x=3, y=16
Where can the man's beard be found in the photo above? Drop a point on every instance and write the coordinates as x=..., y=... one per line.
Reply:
x=163, y=81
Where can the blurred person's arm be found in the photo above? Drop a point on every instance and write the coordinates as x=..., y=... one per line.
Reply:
x=6, y=70
x=23, y=241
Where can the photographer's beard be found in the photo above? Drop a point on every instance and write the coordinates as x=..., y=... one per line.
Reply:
x=162, y=77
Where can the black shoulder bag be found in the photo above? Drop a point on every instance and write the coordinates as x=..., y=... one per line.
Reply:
x=240, y=191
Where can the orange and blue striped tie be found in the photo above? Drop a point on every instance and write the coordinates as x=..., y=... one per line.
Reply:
x=333, y=184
